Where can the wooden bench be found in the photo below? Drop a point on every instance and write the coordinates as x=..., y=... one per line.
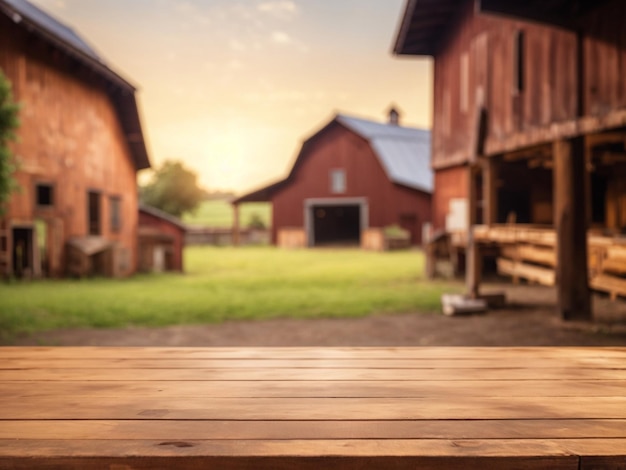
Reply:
x=308, y=408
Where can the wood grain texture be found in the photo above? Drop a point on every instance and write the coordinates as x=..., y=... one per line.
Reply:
x=306, y=408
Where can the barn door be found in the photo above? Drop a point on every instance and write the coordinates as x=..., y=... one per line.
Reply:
x=24, y=253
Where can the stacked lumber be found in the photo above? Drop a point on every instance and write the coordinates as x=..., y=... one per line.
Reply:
x=534, y=263
x=507, y=234
x=608, y=274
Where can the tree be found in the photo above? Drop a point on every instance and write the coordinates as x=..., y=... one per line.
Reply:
x=173, y=189
x=8, y=124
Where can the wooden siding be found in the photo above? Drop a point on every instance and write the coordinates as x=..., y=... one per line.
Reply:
x=70, y=137
x=339, y=148
x=450, y=183
x=548, y=105
x=605, y=51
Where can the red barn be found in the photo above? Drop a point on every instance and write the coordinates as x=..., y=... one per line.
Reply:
x=351, y=176
x=161, y=241
x=80, y=145
x=529, y=137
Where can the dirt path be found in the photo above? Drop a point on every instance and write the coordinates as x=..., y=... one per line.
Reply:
x=529, y=320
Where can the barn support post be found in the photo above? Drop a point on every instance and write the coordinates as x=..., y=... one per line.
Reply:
x=236, y=226
x=490, y=191
x=473, y=255
x=570, y=217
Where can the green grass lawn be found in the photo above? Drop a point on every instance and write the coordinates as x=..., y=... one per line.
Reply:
x=228, y=284
x=220, y=214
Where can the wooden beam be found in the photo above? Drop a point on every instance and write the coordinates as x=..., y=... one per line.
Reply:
x=472, y=253
x=595, y=140
x=570, y=216
x=540, y=152
x=490, y=192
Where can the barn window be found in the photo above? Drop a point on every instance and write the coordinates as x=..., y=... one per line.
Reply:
x=519, y=47
x=338, y=181
x=93, y=213
x=44, y=194
x=115, y=204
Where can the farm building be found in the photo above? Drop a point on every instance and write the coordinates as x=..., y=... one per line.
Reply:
x=161, y=241
x=80, y=145
x=529, y=137
x=350, y=180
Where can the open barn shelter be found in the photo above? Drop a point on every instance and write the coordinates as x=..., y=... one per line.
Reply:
x=351, y=177
x=529, y=138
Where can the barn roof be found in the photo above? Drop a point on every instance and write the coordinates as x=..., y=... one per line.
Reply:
x=424, y=22
x=121, y=92
x=404, y=153
x=159, y=214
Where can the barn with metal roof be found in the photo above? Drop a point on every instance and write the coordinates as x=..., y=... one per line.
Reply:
x=352, y=176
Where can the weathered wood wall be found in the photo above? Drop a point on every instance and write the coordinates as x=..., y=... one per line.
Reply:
x=450, y=183
x=339, y=148
x=605, y=53
x=476, y=67
x=70, y=137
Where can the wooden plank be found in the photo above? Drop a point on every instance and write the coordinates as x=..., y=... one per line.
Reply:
x=606, y=283
x=173, y=430
x=364, y=374
x=616, y=251
x=158, y=353
x=353, y=454
x=543, y=276
x=317, y=389
x=150, y=408
x=303, y=448
x=300, y=463
x=515, y=234
x=614, y=265
x=391, y=363
x=534, y=254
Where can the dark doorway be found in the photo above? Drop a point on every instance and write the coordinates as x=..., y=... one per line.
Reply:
x=336, y=225
x=514, y=206
x=23, y=252
x=599, y=190
x=93, y=213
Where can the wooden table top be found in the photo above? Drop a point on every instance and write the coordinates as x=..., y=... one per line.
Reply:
x=312, y=408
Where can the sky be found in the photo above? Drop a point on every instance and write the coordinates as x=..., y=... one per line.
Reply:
x=233, y=87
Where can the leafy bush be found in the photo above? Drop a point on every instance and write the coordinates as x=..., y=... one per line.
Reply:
x=395, y=231
x=256, y=222
x=8, y=124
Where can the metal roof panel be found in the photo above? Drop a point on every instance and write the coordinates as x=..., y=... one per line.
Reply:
x=404, y=152
x=53, y=26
